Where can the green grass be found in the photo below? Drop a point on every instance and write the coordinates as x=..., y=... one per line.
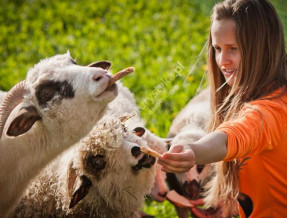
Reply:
x=162, y=39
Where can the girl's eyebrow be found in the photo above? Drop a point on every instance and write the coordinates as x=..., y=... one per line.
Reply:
x=229, y=45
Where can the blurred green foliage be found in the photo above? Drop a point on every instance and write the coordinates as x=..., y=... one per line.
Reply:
x=163, y=40
x=156, y=37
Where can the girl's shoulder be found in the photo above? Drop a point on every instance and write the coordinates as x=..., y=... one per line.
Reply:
x=275, y=101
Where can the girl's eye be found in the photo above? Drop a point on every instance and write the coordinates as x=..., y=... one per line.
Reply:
x=234, y=48
x=217, y=48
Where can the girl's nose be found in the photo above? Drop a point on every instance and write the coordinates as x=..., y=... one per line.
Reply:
x=224, y=59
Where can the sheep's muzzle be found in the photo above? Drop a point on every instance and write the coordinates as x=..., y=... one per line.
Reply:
x=147, y=161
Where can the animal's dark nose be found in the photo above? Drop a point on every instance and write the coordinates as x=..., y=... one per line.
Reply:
x=139, y=131
x=97, y=77
x=136, y=151
x=145, y=162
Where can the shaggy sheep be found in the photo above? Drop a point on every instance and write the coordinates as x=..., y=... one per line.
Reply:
x=104, y=175
x=62, y=102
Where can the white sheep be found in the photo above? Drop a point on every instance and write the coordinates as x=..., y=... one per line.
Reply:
x=104, y=175
x=62, y=102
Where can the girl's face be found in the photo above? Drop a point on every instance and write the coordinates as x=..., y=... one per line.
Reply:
x=227, y=54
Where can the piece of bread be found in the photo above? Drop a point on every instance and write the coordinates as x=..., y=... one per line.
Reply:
x=150, y=152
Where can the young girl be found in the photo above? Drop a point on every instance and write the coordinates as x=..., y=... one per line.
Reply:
x=248, y=129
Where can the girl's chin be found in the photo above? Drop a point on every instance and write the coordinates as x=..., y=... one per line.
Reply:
x=229, y=80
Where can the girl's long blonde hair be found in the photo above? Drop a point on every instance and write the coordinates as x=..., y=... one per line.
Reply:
x=260, y=38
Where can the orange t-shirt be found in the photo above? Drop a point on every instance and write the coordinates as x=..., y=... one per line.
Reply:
x=258, y=138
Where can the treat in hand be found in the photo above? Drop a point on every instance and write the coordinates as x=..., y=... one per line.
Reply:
x=150, y=152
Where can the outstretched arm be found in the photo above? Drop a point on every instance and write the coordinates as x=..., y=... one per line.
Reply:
x=180, y=158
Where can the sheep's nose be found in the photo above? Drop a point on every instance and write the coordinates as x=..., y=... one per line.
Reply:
x=136, y=151
x=96, y=78
x=99, y=75
x=146, y=161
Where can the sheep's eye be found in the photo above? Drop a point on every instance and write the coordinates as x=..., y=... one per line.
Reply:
x=95, y=163
x=46, y=94
x=46, y=91
x=199, y=168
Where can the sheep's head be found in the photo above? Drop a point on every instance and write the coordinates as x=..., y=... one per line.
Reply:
x=110, y=166
x=188, y=184
x=66, y=99
x=73, y=94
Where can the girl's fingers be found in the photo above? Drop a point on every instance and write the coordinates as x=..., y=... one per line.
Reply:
x=177, y=160
x=176, y=164
x=184, y=156
x=176, y=149
x=171, y=169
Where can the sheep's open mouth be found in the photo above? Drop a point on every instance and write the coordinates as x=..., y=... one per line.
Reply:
x=192, y=189
x=108, y=91
x=195, y=206
x=111, y=86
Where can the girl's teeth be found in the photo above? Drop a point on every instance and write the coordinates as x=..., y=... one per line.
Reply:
x=228, y=72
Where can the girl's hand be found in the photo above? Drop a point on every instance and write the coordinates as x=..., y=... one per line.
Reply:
x=178, y=159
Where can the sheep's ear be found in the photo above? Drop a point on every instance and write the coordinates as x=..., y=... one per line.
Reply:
x=82, y=186
x=71, y=179
x=23, y=121
x=78, y=186
x=101, y=64
x=139, y=131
